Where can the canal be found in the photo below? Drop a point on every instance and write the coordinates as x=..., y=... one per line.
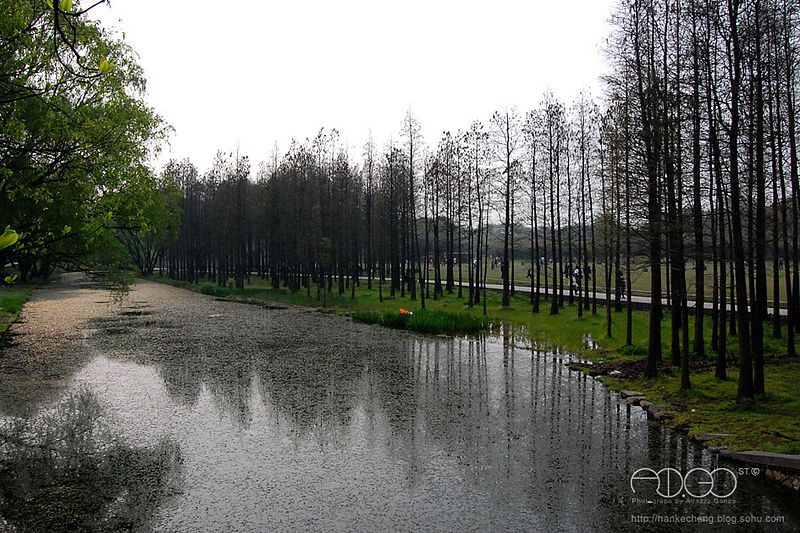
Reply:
x=173, y=411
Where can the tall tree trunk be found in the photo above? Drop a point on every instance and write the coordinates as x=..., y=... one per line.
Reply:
x=760, y=309
x=745, y=390
x=699, y=254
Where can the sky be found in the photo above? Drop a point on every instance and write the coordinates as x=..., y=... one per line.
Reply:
x=245, y=75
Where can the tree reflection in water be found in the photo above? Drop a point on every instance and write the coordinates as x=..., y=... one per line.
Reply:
x=464, y=431
x=63, y=470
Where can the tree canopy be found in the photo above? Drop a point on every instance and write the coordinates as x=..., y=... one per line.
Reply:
x=75, y=136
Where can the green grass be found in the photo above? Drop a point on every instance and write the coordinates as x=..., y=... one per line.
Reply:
x=11, y=302
x=425, y=321
x=772, y=423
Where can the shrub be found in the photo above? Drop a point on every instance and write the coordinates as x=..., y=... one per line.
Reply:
x=634, y=349
x=213, y=290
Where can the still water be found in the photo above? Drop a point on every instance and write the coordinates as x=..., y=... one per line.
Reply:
x=176, y=412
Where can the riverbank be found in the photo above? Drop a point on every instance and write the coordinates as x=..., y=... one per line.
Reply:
x=709, y=409
x=709, y=413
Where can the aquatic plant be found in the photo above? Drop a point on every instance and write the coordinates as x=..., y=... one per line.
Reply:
x=426, y=321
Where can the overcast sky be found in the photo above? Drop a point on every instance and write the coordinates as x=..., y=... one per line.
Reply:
x=246, y=74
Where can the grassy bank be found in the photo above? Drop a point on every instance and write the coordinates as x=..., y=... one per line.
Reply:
x=11, y=301
x=771, y=424
x=425, y=321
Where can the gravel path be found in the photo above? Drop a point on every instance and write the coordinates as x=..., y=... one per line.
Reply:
x=46, y=345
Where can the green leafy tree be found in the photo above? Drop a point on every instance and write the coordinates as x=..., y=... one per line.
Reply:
x=74, y=131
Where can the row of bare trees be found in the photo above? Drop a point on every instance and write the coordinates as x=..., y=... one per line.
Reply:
x=408, y=217
x=700, y=120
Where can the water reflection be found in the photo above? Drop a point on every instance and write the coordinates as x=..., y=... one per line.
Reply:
x=63, y=470
x=493, y=419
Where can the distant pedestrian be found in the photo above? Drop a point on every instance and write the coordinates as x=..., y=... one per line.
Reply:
x=620, y=284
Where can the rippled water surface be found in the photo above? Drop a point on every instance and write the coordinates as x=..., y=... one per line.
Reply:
x=176, y=412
